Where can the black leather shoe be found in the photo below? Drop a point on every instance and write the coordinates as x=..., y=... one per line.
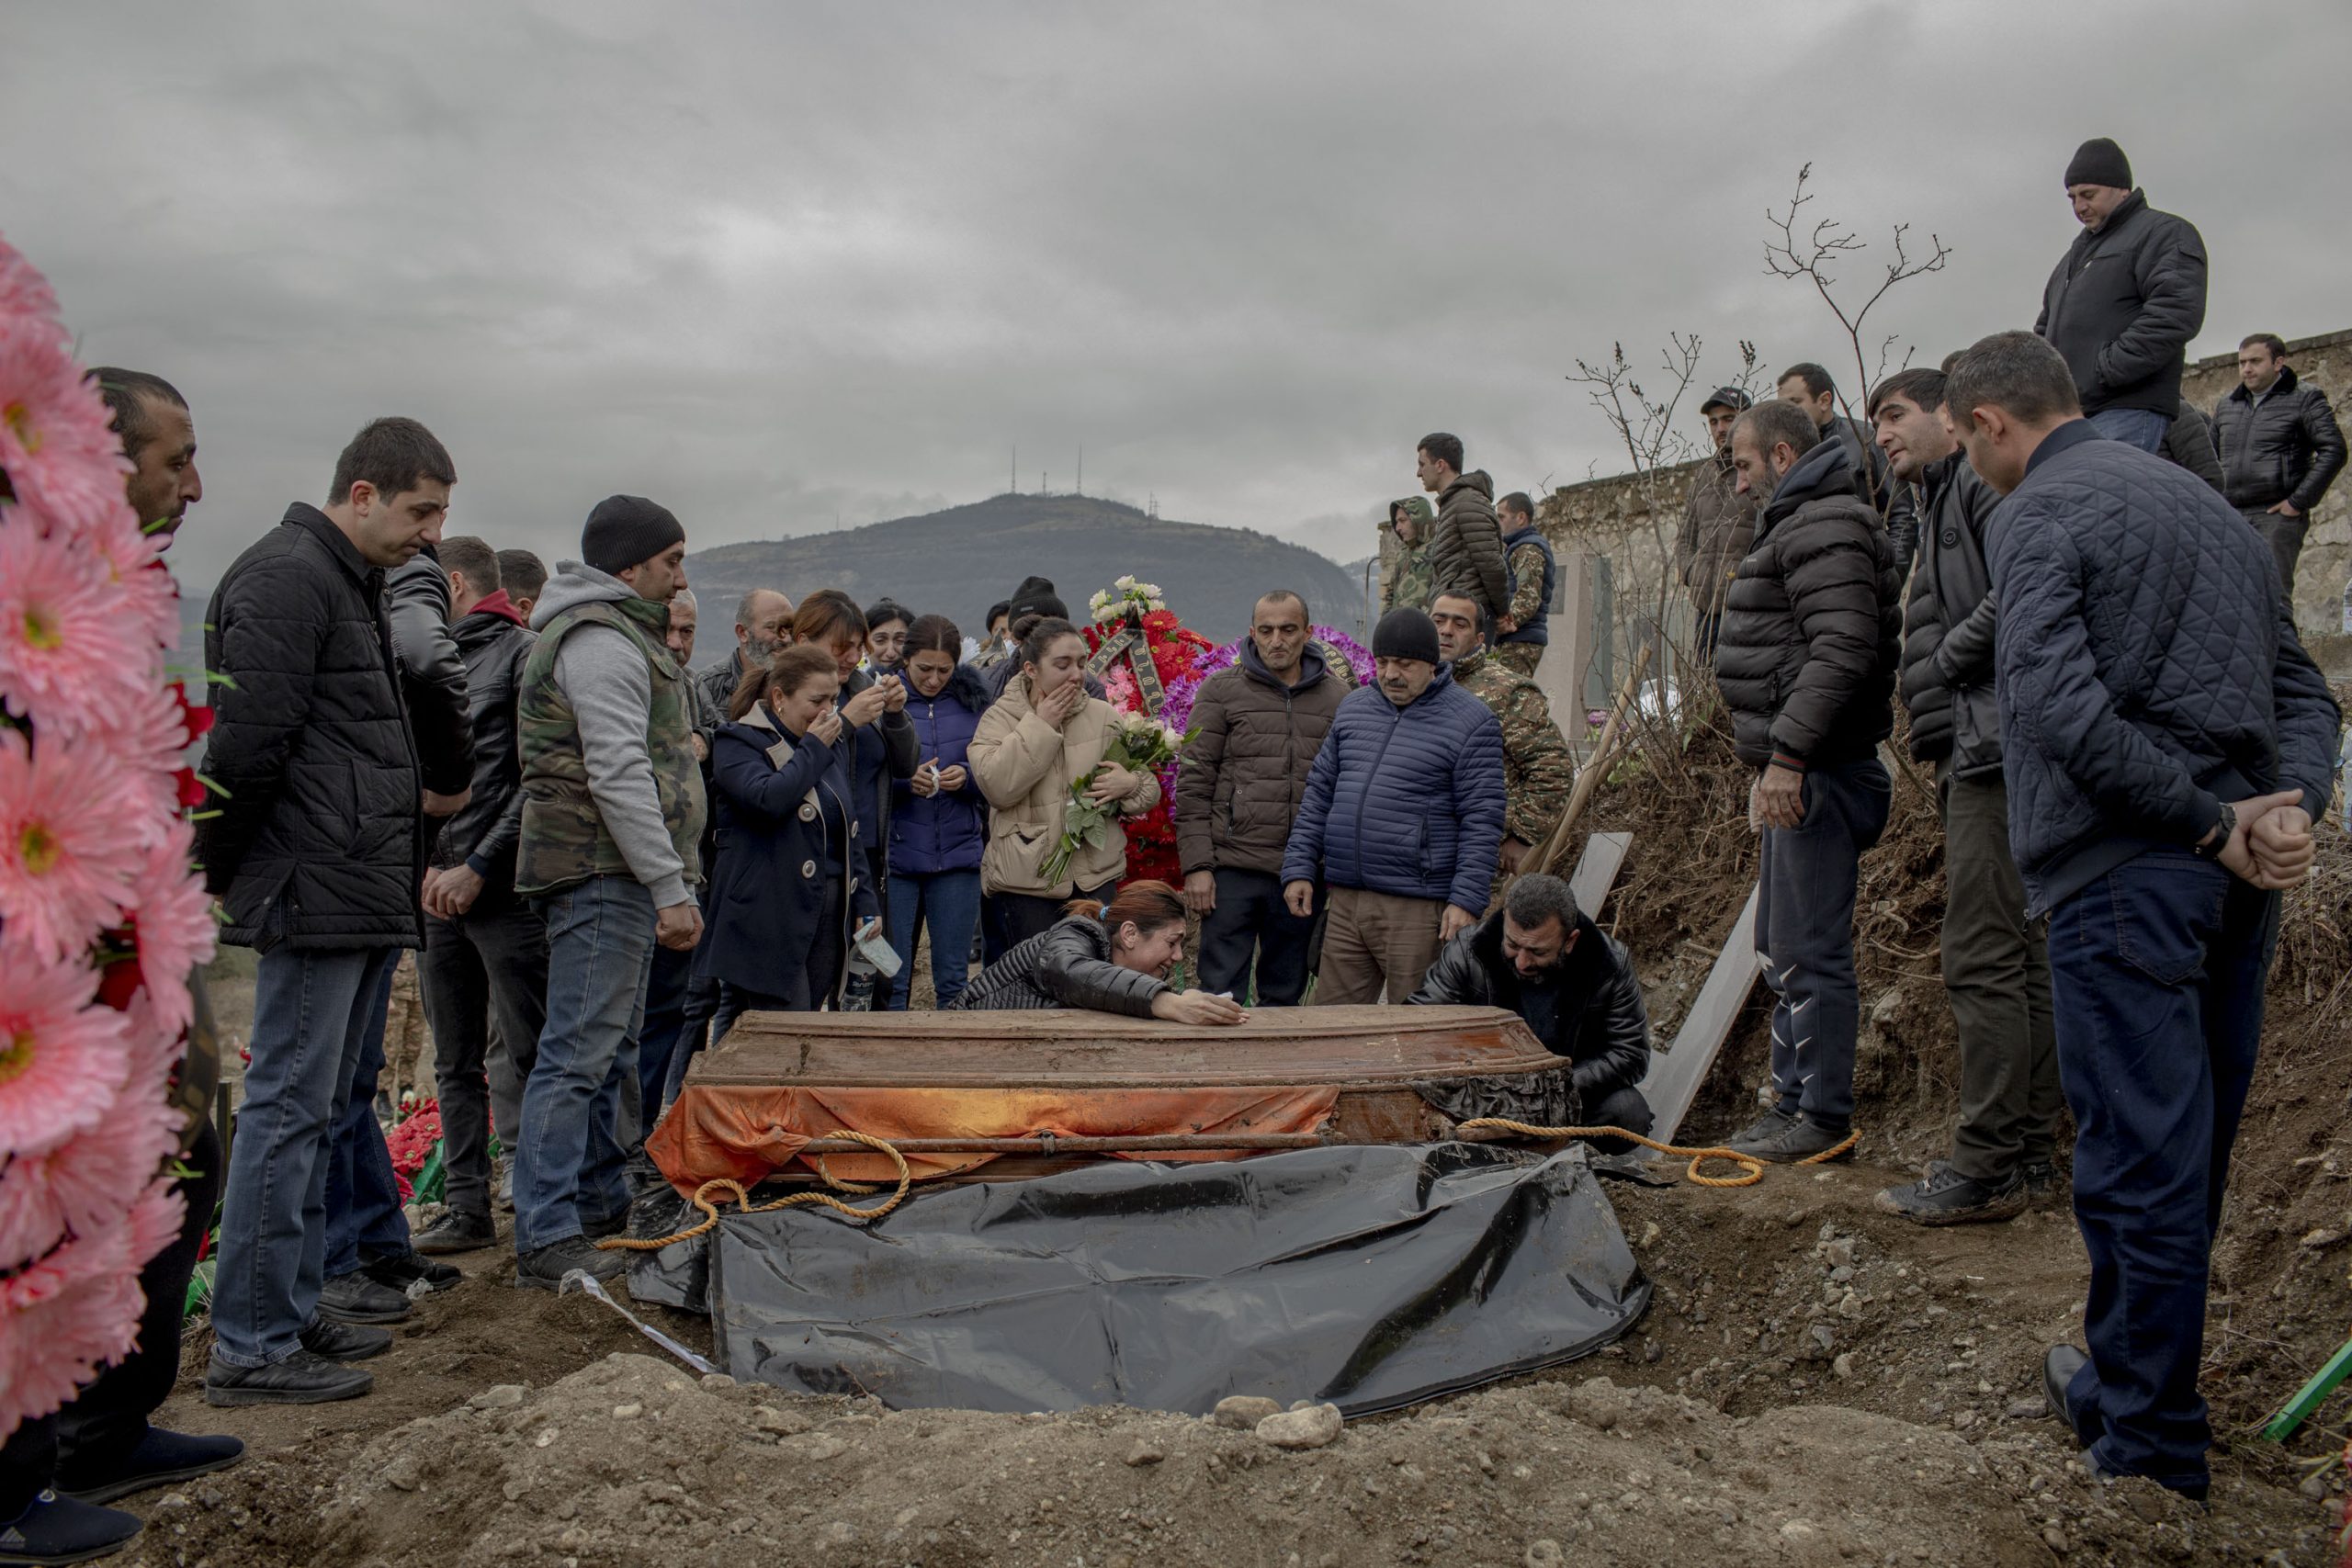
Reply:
x=302, y=1378
x=1796, y=1138
x=2058, y=1370
x=397, y=1273
x=344, y=1341
x=598, y=1230
x=356, y=1297
x=160, y=1459
x=1947, y=1198
x=65, y=1529
x=545, y=1270
x=453, y=1232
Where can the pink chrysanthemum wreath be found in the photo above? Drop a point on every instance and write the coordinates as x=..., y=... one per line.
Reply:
x=101, y=916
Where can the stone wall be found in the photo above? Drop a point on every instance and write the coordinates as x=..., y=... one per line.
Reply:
x=2325, y=362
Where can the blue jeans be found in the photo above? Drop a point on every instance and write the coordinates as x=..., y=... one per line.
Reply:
x=568, y=1162
x=312, y=1013
x=948, y=903
x=1804, y=928
x=2144, y=428
x=2157, y=972
x=364, y=1218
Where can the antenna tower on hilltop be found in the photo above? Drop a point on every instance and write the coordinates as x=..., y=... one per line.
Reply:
x=1080, y=490
x=1152, y=510
x=1014, y=487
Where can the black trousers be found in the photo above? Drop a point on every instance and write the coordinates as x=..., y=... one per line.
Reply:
x=1251, y=924
x=485, y=963
x=1021, y=916
x=87, y=1442
x=805, y=987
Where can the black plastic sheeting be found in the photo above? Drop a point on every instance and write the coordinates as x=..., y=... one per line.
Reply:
x=1372, y=1276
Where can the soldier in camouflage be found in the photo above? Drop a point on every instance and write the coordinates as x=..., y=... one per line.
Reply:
x=1539, y=771
x=613, y=812
x=1524, y=629
x=1408, y=574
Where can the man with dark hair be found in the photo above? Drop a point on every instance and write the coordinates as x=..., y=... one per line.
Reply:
x=1718, y=521
x=1408, y=574
x=1524, y=627
x=159, y=437
x=612, y=810
x=57, y=1470
x=763, y=626
x=1255, y=729
x=310, y=739
x=485, y=951
x=1810, y=388
x=1466, y=545
x=2123, y=324
x=521, y=575
x=1996, y=967
x=1806, y=659
x=1539, y=771
x=2168, y=746
x=1573, y=985
x=2280, y=448
x=1400, y=820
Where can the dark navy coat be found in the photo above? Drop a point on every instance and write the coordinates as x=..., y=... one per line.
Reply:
x=782, y=828
x=930, y=834
x=1405, y=801
x=2145, y=662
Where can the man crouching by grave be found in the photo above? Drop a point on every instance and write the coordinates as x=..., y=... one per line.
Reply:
x=1805, y=660
x=1543, y=958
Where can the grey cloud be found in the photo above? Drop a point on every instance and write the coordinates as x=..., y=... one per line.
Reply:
x=787, y=267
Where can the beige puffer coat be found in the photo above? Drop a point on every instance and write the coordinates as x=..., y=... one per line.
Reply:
x=1025, y=768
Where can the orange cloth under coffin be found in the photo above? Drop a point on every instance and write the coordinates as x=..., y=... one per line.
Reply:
x=750, y=1132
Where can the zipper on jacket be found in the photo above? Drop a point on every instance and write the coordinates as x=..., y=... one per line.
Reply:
x=1396, y=722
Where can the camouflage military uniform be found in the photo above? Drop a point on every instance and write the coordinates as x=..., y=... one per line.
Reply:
x=1409, y=581
x=564, y=839
x=1526, y=563
x=1538, y=771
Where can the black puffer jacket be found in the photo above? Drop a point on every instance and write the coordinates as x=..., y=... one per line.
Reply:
x=1466, y=545
x=484, y=834
x=2123, y=304
x=2287, y=448
x=2189, y=441
x=1813, y=626
x=1067, y=964
x=1947, y=629
x=1897, y=503
x=317, y=840
x=1601, y=1023
x=433, y=672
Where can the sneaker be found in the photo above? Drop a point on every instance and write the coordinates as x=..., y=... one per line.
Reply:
x=1784, y=1140
x=1772, y=1125
x=1947, y=1198
x=344, y=1341
x=399, y=1272
x=65, y=1529
x=160, y=1459
x=455, y=1232
x=356, y=1297
x=302, y=1378
x=614, y=1225
x=503, y=1189
x=545, y=1270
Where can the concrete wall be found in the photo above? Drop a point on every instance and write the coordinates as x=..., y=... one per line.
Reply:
x=2325, y=362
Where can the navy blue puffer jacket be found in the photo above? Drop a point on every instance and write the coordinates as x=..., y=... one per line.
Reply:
x=1405, y=801
x=933, y=833
x=2146, y=667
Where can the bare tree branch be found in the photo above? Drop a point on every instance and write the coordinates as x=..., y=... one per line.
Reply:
x=1815, y=257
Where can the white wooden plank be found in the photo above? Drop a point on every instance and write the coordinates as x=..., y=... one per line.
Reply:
x=1596, y=869
x=1676, y=1074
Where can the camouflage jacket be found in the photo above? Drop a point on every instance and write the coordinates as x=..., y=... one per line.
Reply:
x=1538, y=770
x=1409, y=579
x=565, y=840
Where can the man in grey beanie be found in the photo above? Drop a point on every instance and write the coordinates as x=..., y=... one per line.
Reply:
x=613, y=811
x=2125, y=299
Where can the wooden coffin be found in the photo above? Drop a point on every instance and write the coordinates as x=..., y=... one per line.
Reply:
x=1367, y=1061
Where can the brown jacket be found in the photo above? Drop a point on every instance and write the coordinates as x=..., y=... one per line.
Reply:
x=1025, y=768
x=1718, y=523
x=1467, y=546
x=1253, y=739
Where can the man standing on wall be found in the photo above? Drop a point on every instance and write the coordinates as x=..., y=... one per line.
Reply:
x=1467, y=546
x=2280, y=449
x=1409, y=574
x=1718, y=521
x=1524, y=629
x=2124, y=300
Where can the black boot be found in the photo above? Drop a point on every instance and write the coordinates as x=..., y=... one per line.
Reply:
x=1947, y=1198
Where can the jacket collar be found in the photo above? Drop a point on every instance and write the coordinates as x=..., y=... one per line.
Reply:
x=1574, y=973
x=1311, y=667
x=2133, y=205
x=2280, y=388
x=495, y=605
x=1826, y=470
x=1467, y=665
x=302, y=514
x=2071, y=433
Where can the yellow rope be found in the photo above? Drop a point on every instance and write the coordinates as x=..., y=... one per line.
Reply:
x=1749, y=1177
x=744, y=1199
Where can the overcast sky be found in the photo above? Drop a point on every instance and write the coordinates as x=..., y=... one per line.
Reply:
x=787, y=267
